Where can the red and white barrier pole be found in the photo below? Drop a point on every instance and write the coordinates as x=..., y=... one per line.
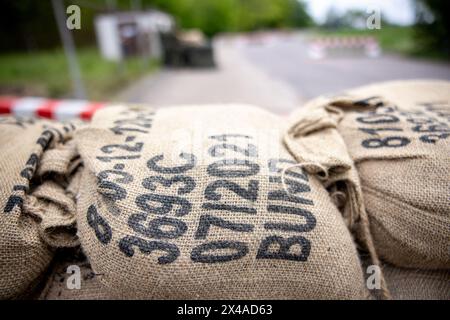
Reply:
x=319, y=48
x=48, y=108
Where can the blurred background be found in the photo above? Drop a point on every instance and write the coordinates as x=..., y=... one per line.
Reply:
x=273, y=53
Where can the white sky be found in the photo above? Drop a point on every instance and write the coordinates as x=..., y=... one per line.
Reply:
x=396, y=11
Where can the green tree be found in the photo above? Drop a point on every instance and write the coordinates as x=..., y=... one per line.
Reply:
x=214, y=16
x=30, y=24
x=433, y=25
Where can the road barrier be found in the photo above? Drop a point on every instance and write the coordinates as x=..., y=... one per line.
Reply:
x=48, y=108
x=319, y=48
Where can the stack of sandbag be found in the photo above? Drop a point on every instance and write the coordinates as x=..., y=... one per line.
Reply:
x=37, y=216
x=384, y=152
x=207, y=203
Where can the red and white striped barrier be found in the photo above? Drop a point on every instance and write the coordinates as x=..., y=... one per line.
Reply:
x=321, y=47
x=48, y=108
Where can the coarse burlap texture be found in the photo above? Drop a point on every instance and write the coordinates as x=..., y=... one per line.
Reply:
x=188, y=203
x=417, y=284
x=61, y=283
x=397, y=136
x=37, y=214
x=414, y=284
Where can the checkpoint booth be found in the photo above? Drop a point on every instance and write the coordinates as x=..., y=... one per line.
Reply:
x=124, y=34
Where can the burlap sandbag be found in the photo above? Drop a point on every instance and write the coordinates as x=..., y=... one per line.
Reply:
x=397, y=136
x=37, y=214
x=188, y=203
x=414, y=284
x=417, y=284
x=72, y=278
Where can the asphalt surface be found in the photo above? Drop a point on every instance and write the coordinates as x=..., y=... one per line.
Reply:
x=287, y=59
x=234, y=80
x=274, y=71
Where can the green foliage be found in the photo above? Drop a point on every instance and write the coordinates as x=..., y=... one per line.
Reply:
x=213, y=16
x=433, y=26
x=45, y=73
x=30, y=24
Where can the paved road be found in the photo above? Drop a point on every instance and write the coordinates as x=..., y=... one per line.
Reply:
x=235, y=80
x=287, y=59
x=274, y=72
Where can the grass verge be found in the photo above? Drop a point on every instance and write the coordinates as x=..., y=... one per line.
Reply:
x=45, y=73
